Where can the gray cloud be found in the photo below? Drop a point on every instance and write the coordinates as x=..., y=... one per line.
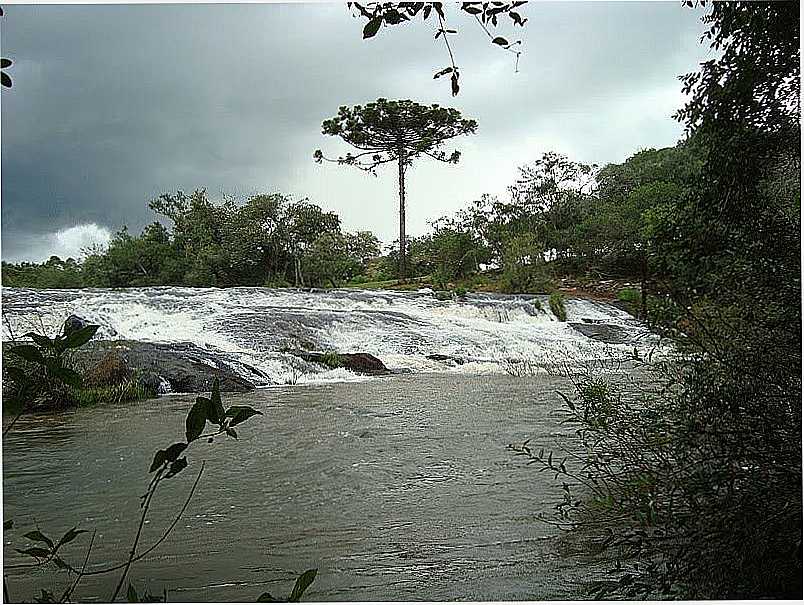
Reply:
x=112, y=105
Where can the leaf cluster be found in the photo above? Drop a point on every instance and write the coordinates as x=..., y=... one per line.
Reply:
x=486, y=14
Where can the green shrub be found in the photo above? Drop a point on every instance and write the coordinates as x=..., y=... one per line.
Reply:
x=556, y=302
x=629, y=295
x=460, y=292
x=332, y=360
x=276, y=282
x=537, y=304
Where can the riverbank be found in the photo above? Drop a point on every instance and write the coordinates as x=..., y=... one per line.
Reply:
x=609, y=290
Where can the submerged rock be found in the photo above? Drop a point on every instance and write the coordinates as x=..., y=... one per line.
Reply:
x=607, y=333
x=73, y=323
x=185, y=367
x=448, y=358
x=359, y=363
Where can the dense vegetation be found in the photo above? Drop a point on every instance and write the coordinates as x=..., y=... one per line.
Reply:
x=697, y=480
x=269, y=240
x=562, y=217
x=697, y=483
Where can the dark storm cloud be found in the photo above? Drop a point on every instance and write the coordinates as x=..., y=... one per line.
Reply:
x=112, y=105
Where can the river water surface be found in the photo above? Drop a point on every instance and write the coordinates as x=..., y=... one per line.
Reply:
x=399, y=488
x=395, y=488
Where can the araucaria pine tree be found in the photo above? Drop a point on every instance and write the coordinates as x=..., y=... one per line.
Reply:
x=396, y=131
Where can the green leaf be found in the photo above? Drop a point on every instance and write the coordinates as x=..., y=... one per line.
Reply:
x=217, y=406
x=5, y=62
x=71, y=535
x=196, y=419
x=159, y=459
x=38, y=536
x=302, y=584
x=208, y=407
x=28, y=353
x=372, y=27
x=39, y=553
x=455, y=86
x=67, y=376
x=5, y=80
x=174, y=450
x=131, y=595
x=241, y=413
x=80, y=337
x=60, y=563
x=500, y=41
x=42, y=341
x=176, y=467
x=267, y=597
x=231, y=432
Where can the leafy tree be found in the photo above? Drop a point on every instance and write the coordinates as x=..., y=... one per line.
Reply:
x=552, y=194
x=396, y=131
x=700, y=480
x=328, y=262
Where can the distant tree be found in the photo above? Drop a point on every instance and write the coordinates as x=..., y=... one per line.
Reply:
x=396, y=131
x=303, y=224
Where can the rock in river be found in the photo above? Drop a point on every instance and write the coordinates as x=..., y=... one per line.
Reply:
x=607, y=333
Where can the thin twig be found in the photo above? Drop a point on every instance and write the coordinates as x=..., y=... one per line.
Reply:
x=146, y=507
x=74, y=585
x=446, y=41
x=14, y=421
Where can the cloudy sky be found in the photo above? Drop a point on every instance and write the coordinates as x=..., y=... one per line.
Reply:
x=113, y=105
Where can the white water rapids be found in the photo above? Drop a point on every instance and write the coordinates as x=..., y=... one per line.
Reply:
x=480, y=334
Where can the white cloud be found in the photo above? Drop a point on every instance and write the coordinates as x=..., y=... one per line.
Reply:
x=64, y=243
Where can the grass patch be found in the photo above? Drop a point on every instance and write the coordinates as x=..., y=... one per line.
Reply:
x=332, y=360
x=556, y=302
x=128, y=390
x=629, y=295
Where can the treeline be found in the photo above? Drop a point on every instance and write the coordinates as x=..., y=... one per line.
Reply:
x=268, y=241
x=564, y=218
x=561, y=217
x=694, y=483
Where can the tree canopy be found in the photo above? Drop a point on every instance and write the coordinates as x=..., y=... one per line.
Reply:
x=387, y=131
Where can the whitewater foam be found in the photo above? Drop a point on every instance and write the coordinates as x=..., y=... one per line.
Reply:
x=480, y=334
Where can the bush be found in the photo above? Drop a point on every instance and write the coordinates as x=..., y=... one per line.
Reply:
x=332, y=360
x=629, y=295
x=556, y=302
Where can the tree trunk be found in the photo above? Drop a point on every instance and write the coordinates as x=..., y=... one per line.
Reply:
x=403, y=265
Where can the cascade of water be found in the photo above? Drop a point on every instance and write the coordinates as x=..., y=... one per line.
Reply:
x=479, y=334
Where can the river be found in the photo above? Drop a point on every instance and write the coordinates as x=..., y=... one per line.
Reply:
x=395, y=488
